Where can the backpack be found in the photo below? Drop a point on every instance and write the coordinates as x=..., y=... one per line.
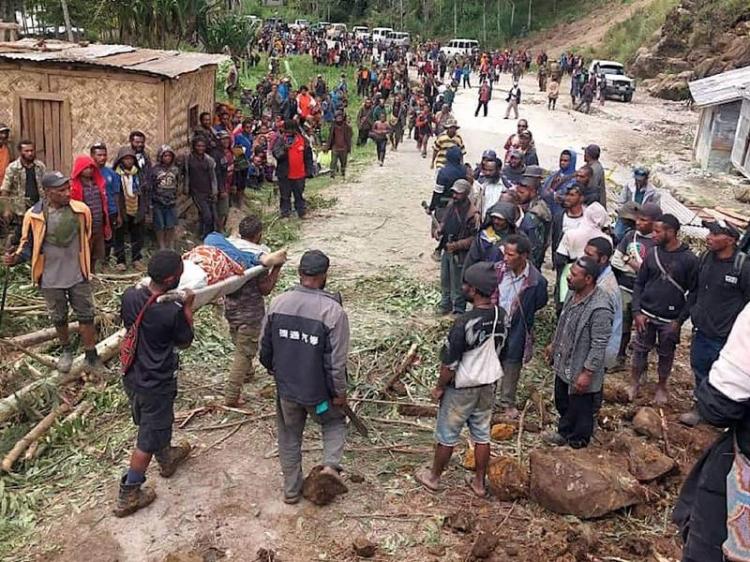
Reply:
x=737, y=266
x=129, y=344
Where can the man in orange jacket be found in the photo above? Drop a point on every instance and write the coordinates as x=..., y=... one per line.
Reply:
x=56, y=237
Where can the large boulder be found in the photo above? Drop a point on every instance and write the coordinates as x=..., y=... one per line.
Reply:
x=645, y=461
x=582, y=482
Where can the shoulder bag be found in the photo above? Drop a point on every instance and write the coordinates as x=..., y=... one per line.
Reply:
x=480, y=366
x=129, y=344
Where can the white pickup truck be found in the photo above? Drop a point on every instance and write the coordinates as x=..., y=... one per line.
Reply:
x=618, y=84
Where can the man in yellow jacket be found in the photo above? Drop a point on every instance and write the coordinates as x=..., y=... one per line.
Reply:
x=55, y=238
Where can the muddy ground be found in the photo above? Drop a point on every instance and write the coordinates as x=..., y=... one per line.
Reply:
x=226, y=502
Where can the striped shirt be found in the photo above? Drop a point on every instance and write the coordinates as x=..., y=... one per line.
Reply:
x=443, y=143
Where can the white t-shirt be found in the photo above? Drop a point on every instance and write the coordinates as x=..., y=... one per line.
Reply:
x=730, y=373
x=569, y=223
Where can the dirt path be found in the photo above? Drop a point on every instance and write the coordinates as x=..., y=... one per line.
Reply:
x=227, y=499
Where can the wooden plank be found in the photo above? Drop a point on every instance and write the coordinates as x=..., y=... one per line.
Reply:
x=45, y=96
x=38, y=121
x=66, y=128
x=55, y=127
x=53, y=149
x=734, y=214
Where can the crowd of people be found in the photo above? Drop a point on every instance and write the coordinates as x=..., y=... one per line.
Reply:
x=620, y=289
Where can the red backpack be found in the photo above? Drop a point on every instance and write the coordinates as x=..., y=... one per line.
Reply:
x=129, y=344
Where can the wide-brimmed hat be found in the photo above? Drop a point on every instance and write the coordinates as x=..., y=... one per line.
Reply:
x=629, y=211
x=451, y=123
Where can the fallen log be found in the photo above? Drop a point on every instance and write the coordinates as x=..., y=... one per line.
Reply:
x=110, y=346
x=402, y=368
x=32, y=436
x=39, y=358
x=106, y=349
x=46, y=334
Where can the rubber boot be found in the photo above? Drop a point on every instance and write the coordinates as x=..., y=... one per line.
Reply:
x=131, y=498
x=169, y=458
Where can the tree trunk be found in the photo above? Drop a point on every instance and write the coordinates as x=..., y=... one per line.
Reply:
x=528, y=24
x=66, y=17
x=484, y=22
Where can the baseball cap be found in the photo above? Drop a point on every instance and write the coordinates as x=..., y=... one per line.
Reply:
x=641, y=171
x=651, y=211
x=489, y=155
x=313, y=262
x=4, y=127
x=629, y=210
x=451, y=123
x=482, y=277
x=529, y=181
x=54, y=179
x=720, y=226
x=461, y=186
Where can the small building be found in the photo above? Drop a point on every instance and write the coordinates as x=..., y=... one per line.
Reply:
x=67, y=96
x=741, y=148
x=719, y=98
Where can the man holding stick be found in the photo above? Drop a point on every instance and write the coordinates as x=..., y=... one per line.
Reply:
x=55, y=238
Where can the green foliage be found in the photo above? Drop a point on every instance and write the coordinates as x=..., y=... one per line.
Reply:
x=222, y=29
x=623, y=40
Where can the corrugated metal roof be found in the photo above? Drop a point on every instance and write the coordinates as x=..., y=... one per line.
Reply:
x=721, y=88
x=124, y=57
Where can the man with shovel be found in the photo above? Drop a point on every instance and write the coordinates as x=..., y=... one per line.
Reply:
x=304, y=346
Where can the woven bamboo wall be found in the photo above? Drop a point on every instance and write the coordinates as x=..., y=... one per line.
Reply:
x=194, y=88
x=107, y=109
x=13, y=81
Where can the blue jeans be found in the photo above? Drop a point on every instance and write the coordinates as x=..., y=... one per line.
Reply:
x=451, y=280
x=703, y=352
x=470, y=407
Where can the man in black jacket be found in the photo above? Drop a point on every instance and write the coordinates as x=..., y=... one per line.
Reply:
x=304, y=345
x=660, y=307
x=723, y=291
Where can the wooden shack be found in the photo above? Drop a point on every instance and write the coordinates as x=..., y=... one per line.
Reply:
x=719, y=98
x=67, y=96
x=741, y=148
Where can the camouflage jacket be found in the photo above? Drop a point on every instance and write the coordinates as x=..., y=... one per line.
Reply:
x=13, y=190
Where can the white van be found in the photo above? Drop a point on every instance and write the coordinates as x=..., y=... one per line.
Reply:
x=361, y=32
x=460, y=47
x=337, y=31
x=380, y=33
x=398, y=39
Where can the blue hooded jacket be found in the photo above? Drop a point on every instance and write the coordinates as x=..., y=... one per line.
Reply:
x=557, y=183
x=453, y=170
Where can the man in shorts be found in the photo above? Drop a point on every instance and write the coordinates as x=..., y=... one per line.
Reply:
x=55, y=239
x=150, y=381
x=469, y=406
